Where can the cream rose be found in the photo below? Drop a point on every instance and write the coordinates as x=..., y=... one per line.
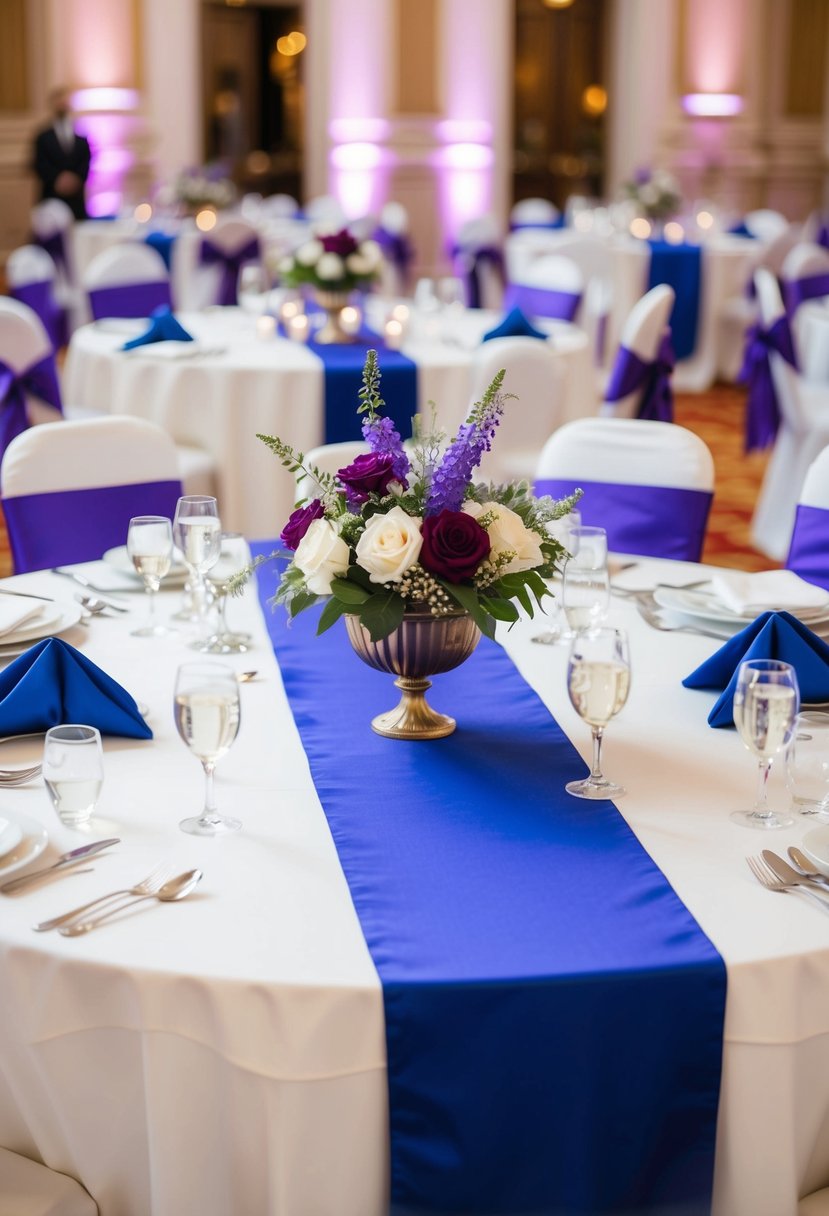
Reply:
x=509, y=533
x=321, y=555
x=389, y=546
x=309, y=253
x=330, y=267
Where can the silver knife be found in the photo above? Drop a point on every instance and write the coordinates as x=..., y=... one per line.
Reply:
x=62, y=863
x=83, y=581
x=786, y=874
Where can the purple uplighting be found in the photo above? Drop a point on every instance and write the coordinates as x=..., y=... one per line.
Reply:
x=712, y=105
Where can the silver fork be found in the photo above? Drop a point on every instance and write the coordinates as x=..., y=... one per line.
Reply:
x=771, y=882
x=154, y=881
x=649, y=615
x=18, y=776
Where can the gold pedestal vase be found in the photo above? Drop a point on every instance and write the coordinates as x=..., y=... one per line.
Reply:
x=333, y=302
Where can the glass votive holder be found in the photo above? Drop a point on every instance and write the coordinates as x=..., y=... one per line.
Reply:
x=299, y=328
x=73, y=771
x=393, y=334
x=265, y=326
x=807, y=764
x=289, y=308
x=350, y=319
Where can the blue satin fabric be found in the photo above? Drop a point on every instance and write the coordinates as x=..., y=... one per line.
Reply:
x=514, y=325
x=553, y=1012
x=680, y=266
x=162, y=243
x=809, y=549
x=343, y=380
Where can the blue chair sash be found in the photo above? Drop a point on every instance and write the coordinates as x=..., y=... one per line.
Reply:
x=631, y=374
x=542, y=301
x=39, y=380
x=809, y=549
x=41, y=299
x=655, y=521
x=68, y=526
x=129, y=300
x=798, y=291
x=468, y=264
x=230, y=263
x=762, y=410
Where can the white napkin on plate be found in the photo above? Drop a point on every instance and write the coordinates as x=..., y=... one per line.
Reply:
x=771, y=590
x=14, y=612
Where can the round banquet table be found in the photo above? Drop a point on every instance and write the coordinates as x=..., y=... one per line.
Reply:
x=811, y=325
x=220, y=393
x=228, y=1054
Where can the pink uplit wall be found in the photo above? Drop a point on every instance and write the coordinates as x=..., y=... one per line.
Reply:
x=714, y=45
x=93, y=42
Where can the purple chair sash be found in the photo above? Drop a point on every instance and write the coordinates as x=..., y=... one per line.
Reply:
x=397, y=249
x=542, y=301
x=129, y=299
x=798, y=291
x=55, y=246
x=468, y=263
x=654, y=521
x=68, y=526
x=230, y=263
x=762, y=411
x=653, y=380
x=39, y=380
x=809, y=550
x=41, y=299
x=822, y=237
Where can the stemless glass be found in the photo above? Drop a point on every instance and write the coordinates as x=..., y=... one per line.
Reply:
x=598, y=681
x=150, y=547
x=207, y=719
x=253, y=289
x=586, y=587
x=198, y=534
x=807, y=764
x=73, y=771
x=766, y=702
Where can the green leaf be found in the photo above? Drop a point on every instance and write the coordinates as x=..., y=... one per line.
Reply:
x=515, y=585
x=502, y=610
x=301, y=601
x=467, y=597
x=332, y=612
x=348, y=592
x=382, y=614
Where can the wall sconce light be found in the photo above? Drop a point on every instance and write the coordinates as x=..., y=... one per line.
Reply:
x=712, y=105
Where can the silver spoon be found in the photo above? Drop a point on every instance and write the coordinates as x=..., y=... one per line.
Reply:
x=94, y=604
x=805, y=866
x=245, y=677
x=176, y=888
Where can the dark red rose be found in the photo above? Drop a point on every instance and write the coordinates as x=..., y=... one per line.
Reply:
x=368, y=474
x=341, y=242
x=454, y=545
x=299, y=523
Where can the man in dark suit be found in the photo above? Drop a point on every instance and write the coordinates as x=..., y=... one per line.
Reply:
x=61, y=158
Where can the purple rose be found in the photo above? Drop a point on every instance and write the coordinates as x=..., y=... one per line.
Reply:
x=454, y=545
x=368, y=474
x=341, y=242
x=299, y=523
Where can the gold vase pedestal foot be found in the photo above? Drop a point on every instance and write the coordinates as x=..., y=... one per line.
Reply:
x=332, y=332
x=413, y=717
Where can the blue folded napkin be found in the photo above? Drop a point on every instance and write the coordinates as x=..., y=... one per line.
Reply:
x=774, y=635
x=53, y=683
x=163, y=328
x=514, y=325
x=162, y=243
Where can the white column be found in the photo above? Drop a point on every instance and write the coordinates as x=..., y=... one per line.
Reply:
x=642, y=34
x=172, y=82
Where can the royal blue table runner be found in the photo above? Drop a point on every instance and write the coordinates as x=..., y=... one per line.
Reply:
x=553, y=1012
x=680, y=266
x=344, y=378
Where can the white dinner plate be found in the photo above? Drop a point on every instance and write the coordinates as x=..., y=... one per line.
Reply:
x=35, y=626
x=121, y=561
x=816, y=847
x=11, y=645
x=707, y=606
x=11, y=834
x=33, y=840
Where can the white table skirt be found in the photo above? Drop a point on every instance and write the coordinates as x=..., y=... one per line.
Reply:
x=227, y=1054
x=274, y=387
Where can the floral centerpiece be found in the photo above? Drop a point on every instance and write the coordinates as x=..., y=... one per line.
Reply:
x=205, y=187
x=655, y=192
x=404, y=538
x=332, y=262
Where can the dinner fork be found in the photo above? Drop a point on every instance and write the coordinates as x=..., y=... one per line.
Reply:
x=649, y=614
x=18, y=776
x=771, y=882
x=154, y=881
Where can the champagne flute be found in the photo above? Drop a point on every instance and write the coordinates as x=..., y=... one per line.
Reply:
x=150, y=547
x=198, y=534
x=586, y=586
x=207, y=719
x=598, y=681
x=766, y=704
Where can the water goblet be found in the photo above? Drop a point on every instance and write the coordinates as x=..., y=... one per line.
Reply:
x=562, y=531
x=150, y=547
x=766, y=701
x=207, y=719
x=598, y=682
x=235, y=555
x=807, y=764
x=73, y=771
x=198, y=534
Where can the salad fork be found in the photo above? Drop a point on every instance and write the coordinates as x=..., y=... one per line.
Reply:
x=771, y=882
x=148, y=886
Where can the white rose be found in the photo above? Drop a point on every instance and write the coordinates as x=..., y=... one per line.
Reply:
x=330, y=267
x=509, y=533
x=286, y=265
x=389, y=546
x=320, y=555
x=309, y=253
x=372, y=253
x=357, y=264
x=649, y=195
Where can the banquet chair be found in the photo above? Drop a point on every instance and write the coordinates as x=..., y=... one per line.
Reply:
x=28, y=1188
x=649, y=484
x=532, y=212
x=53, y=226
x=392, y=234
x=551, y=286
x=804, y=276
x=809, y=548
x=803, y=432
x=31, y=275
x=85, y=480
x=478, y=260
x=764, y=223
x=232, y=244
x=324, y=209
x=328, y=458
x=127, y=281
x=278, y=207
x=643, y=337
x=29, y=387
x=537, y=378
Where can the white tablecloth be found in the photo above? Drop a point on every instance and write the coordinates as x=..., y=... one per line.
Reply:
x=220, y=401
x=227, y=1054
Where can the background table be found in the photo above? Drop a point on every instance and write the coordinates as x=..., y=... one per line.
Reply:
x=221, y=401
x=227, y=1054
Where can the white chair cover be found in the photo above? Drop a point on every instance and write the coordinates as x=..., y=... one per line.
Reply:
x=29, y=264
x=325, y=209
x=642, y=333
x=483, y=233
x=24, y=342
x=555, y=272
x=534, y=211
x=53, y=220
x=28, y=1188
x=279, y=206
x=229, y=235
x=804, y=261
x=111, y=275
x=765, y=223
x=328, y=458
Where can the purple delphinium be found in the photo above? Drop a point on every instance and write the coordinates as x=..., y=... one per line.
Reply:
x=454, y=473
x=383, y=438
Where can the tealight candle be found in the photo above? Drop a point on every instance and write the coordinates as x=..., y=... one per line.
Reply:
x=265, y=326
x=298, y=328
x=640, y=228
x=393, y=332
x=143, y=213
x=705, y=219
x=350, y=319
x=206, y=219
x=674, y=233
x=287, y=310
x=400, y=313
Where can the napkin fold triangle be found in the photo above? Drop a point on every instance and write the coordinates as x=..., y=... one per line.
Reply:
x=514, y=325
x=774, y=635
x=163, y=328
x=53, y=683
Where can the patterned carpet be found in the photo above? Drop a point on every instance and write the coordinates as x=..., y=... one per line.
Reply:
x=717, y=417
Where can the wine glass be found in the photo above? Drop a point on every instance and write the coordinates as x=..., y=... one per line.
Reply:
x=562, y=531
x=150, y=547
x=766, y=704
x=198, y=534
x=586, y=587
x=598, y=681
x=207, y=719
x=235, y=555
